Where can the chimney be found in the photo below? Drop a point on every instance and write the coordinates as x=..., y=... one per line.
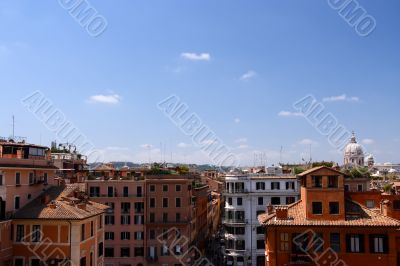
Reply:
x=270, y=209
x=281, y=213
x=52, y=205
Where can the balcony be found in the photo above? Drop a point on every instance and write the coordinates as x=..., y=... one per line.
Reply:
x=234, y=221
x=236, y=191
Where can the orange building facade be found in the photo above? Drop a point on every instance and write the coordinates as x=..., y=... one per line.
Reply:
x=325, y=228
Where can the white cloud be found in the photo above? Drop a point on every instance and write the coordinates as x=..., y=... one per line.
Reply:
x=208, y=141
x=196, y=57
x=343, y=98
x=241, y=140
x=108, y=99
x=183, y=145
x=308, y=142
x=288, y=113
x=248, y=75
x=243, y=146
x=236, y=120
x=146, y=146
x=368, y=141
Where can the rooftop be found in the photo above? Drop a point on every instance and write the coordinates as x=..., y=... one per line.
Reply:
x=356, y=215
x=60, y=203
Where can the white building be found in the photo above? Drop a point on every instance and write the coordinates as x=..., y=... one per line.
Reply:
x=246, y=197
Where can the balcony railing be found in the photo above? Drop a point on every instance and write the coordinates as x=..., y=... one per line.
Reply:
x=235, y=221
x=236, y=191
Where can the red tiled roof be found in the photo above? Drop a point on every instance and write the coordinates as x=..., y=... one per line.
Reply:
x=309, y=171
x=66, y=206
x=356, y=215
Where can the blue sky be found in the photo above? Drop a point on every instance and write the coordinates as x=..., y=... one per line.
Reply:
x=236, y=64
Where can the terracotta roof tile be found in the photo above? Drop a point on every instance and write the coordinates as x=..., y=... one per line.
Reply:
x=356, y=215
x=66, y=206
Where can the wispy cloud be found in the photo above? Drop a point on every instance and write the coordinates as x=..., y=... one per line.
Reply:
x=146, y=146
x=341, y=98
x=196, y=57
x=236, y=120
x=243, y=146
x=368, y=141
x=241, y=140
x=108, y=99
x=308, y=142
x=288, y=113
x=248, y=75
x=183, y=145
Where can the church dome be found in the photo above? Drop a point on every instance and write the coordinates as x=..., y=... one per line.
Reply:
x=353, y=148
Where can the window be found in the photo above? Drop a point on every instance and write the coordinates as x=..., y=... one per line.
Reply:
x=20, y=233
x=335, y=242
x=109, y=235
x=370, y=204
x=165, y=217
x=139, y=252
x=110, y=191
x=317, y=207
x=138, y=219
x=125, y=235
x=317, y=181
x=396, y=204
x=1, y=180
x=125, y=191
x=359, y=187
x=125, y=207
x=152, y=188
x=177, y=188
x=139, y=207
x=36, y=233
x=178, y=202
x=138, y=235
x=139, y=191
x=165, y=202
x=45, y=178
x=16, y=202
x=289, y=185
x=260, y=244
x=165, y=188
x=260, y=230
x=152, y=202
x=178, y=250
x=275, y=200
x=31, y=179
x=229, y=201
x=35, y=262
x=109, y=252
x=152, y=234
x=260, y=186
x=333, y=181
x=355, y=243
x=260, y=201
x=109, y=220
x=318, y=243
x=91, y=228
x=259, y=213
x=83, y=237
x=100, y=251
x=239, y=201
x=290, y=200
x=379, y=243
x=177, y=217
x=346, y=188
x=333, y=207
x=124, y=252
x=275, y=185
x=152, y=217
x=17, y=179
x=82, y=261
x=284, y=238
x=94, y=192
x=125, y=219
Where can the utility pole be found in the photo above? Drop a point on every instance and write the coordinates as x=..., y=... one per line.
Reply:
x=13, y=126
